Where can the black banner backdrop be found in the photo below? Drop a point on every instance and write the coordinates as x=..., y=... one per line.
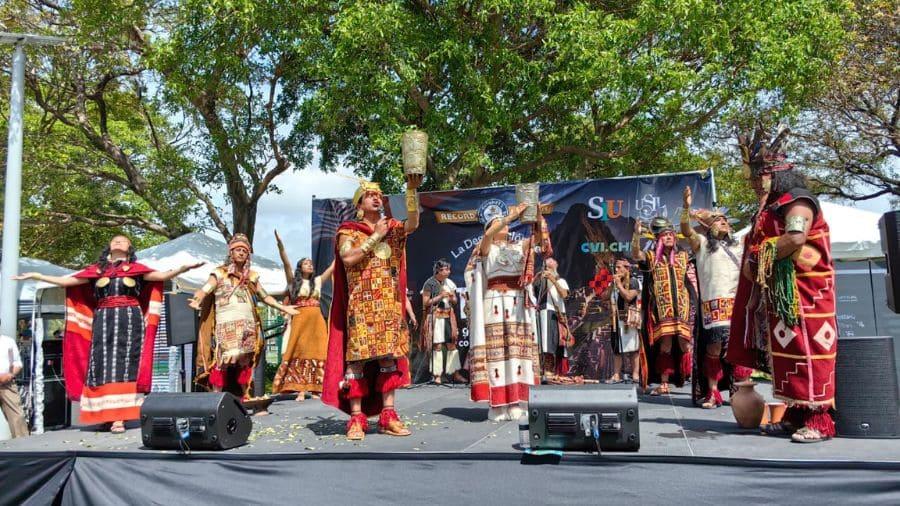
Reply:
x=591, y=224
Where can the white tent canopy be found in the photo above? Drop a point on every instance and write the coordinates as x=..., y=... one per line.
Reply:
x=27, y=288
x=854, y=232
x=192, y=248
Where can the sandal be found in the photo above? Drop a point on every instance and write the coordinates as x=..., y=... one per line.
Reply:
x=389, y=423
x=301, y=396
x=117, y=427
x=660, y=390
x=713, y=400
x=356, y=427
x=807, y=435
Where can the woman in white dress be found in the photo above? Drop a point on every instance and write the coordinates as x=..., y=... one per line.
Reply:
x=503, y=359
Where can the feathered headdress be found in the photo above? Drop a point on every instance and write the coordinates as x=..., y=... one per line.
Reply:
x=760, y=156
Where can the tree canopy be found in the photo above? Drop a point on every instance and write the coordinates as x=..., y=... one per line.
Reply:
x=157, y=107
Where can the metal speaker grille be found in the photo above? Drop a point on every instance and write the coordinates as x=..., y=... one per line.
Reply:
x=561, y=423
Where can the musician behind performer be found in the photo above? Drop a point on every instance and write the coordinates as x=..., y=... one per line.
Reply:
x=439, y=324
x=626, y=322
x=553, y=331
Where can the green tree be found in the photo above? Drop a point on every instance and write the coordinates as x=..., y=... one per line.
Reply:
x=541, y=90
x=850, y=135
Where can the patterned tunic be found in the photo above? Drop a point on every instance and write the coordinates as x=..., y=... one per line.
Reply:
x=669, y=306
x=237, y=333
x=375, y=323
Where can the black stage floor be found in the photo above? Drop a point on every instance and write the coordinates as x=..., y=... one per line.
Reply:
x=693, y=451
x=444, y=420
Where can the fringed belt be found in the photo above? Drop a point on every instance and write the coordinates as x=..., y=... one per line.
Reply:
x=442, y=313
x=503, y=283
x=118, y=301
x=307, y=303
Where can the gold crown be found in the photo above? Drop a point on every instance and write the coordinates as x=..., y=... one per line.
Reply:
x=364, y=188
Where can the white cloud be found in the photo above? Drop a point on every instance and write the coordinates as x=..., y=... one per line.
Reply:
x=291, y=211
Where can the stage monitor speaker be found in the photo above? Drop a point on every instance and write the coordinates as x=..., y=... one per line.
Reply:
x=195, y=421
x=182, y=322
x=867, y=396
x=562, y=417
x=57, y=408
x=889, y=225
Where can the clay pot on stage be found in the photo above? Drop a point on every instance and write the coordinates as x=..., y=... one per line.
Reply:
x=747, y=405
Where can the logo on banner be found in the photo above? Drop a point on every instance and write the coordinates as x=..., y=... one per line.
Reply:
x=490, y=209
x=606, y=247
x=649, y=206
x=603, y=209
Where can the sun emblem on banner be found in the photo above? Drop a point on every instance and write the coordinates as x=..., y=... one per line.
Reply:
x=601, y=281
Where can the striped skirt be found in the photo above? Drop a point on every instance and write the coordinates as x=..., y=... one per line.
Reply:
x=110, y=392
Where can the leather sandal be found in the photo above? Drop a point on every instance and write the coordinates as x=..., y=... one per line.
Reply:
x=660, y=390
x=807, y=435
x=713, y=400
x=356, y=427
x=390, y=424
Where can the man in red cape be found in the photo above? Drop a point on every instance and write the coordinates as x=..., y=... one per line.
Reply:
x=368, y=340
x=784, y=310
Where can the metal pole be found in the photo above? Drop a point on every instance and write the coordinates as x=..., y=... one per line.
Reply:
x=712, y=180
x=12, y=202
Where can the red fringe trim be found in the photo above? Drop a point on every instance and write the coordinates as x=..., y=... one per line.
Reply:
x=718, y=396
x=813, y=418
x=665, y=364
x=821, y=421
x=245, y=376
x=387, y=416
x=741, y=373
x=217, y=377
x=356, y=389
x=713, y=367
x=361, y=418
x=687, y=365
x=388, y=381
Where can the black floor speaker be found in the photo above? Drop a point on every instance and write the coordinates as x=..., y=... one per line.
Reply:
x=564, y=417
x=889, y=226
x=867, y=396
x=182, y=321
x=194, y=421
x=57, y=408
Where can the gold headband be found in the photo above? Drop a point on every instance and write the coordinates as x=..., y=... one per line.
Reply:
x=364, y=188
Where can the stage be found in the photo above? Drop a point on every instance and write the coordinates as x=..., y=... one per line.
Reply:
x=299, y=452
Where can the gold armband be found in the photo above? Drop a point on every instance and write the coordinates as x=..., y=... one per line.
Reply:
x=368, y=244
x=346, y=247
x=636, y=242
x=685, y=215
x=207, y=289
x=795, y=223
x=412, y=201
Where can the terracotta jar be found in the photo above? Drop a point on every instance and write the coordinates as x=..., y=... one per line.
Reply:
x=747, y=405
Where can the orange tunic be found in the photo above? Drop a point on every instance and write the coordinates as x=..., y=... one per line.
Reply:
x=375, y=324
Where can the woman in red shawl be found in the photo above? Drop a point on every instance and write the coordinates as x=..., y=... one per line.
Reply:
x=368, y=339
x=112, y=311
